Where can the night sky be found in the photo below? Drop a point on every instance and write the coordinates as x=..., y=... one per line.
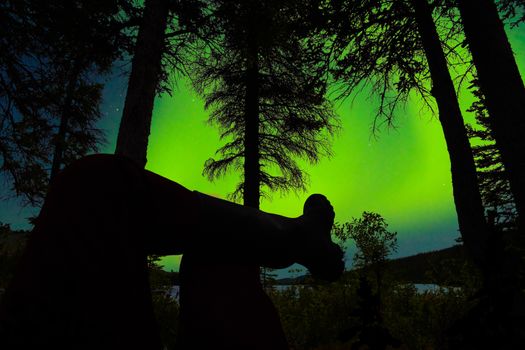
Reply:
x=403, y=174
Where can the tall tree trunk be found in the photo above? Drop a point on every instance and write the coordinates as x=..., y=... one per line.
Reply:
x=60, y=140
x=501, y=83
x=134, y=130
x=252, y=176
x=465, y=187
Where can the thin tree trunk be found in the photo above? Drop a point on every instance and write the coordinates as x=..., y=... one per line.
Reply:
x=134, y=130
x=465, y=187
x=252, y=177
x=501, y=83
x=60, y=140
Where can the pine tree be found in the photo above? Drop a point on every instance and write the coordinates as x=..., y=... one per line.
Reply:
x=493, y=183
x=503, y=88
x=395, y=47
x=265, y=96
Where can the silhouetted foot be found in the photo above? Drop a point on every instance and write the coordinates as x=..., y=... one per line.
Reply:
x=322, y=257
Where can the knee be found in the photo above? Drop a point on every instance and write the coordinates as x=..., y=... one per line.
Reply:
x=95, y=175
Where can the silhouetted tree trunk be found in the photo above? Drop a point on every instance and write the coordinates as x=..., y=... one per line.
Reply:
x=493, y=182
x=135, y=125
x=60, y=139
x=467, y=198
x=252, y=181
x=503, y=88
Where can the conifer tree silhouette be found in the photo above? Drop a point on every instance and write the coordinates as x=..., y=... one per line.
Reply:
x=395, y=47
x=265, y=96
x=502, y=86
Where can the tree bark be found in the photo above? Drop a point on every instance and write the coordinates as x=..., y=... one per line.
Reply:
x=132, y=140
x=465, y=187
x=252, y=178
x=503, y=88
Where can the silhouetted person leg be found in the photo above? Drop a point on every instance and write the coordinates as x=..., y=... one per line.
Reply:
x=82, y=282
x=224, y=306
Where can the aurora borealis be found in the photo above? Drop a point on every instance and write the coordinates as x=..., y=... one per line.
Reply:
x=403, y=174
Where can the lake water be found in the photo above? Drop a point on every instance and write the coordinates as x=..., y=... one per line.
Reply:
x=421, y=288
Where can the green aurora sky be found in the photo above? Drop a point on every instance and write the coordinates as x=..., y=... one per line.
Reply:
x=403, y=174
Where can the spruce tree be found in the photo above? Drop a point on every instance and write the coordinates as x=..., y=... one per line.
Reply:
x=265, y=95
x=395, y=47
x=493, y=182
x=503, y=88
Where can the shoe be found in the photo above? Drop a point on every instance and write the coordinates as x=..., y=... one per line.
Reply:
x=320, y=255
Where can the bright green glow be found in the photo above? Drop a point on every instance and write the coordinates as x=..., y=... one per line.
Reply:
x=404, y=174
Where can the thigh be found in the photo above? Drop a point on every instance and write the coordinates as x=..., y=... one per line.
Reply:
x=224, y=306
x=172, y=212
